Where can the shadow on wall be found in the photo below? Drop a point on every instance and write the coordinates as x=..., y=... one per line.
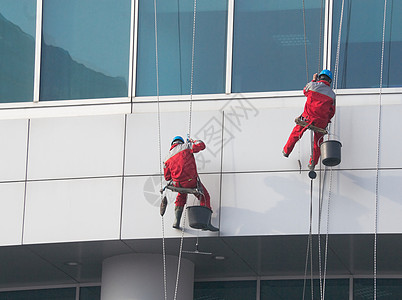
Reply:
x=283, y=207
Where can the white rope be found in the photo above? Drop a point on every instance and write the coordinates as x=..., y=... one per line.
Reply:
x=326, y=237
x=309, y=248
x=180, y=255
x=338, y=47
x=320, y=201
x=323, y=272
x=305, y=38
x=160, y=148
x=336, y=71
x=188, y=136
x=192, y=71
x=378, y=151
x=321, y=32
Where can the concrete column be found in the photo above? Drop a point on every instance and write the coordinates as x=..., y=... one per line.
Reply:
x=140, y=277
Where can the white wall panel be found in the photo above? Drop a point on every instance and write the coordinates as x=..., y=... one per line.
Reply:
x=266, y=203
x=72, y=210
x=390, y=141
x=142, y=155
x=278, y=203
x=76, y=147
x=141, y=217
x=356, y=128
x=13, y=150
x=258, y=141
x=11, y=213
x=352, y=202
x=390, y=201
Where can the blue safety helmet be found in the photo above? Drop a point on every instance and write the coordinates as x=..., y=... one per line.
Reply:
x=327, y=73
x=177, y=138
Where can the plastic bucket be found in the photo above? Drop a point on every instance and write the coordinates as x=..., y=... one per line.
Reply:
x=331, y=153
x=199, y=216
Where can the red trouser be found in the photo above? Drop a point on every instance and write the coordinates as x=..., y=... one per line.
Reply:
x=297, y=133
x=181, y=198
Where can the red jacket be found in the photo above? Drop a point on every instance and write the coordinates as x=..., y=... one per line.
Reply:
x=320, y=102
x=180, y=164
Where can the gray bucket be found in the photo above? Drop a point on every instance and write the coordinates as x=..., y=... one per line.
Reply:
x=199, y=216
x=331, y=153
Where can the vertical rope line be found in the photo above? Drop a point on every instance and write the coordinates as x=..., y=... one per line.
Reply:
x=192, y=70
x=320, y=42
x=159, y=146
x=305, y=38
x=378, y=151
x=327, y=235
x=311, y=240
x=336, y=71
x=308, y=247
x=164, y=258
x=320, y=201
x=338, y=47
x=180, y=254
x=179, y=32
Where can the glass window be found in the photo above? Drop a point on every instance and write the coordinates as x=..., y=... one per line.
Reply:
x=50, y=294
x=361, y=43
x=85, y=49
x=233, y=290
x=335, y=289
x=175, y=36
x=390, y=289
x=90, y=293
x=269, y=44
x=17, y=50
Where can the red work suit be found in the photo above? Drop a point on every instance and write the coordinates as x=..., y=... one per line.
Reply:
x=180, y=167
x=318, y=110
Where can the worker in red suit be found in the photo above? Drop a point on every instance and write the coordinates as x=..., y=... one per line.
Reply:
x=180, y=167
x=318, y=111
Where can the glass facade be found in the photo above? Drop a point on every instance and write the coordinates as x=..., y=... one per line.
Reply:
x=335, y=289
x=48, y=294
x=233, y=290
x=390, y=289
x=175, y=37
x=361, y=43
x=90, y=293
x=269, y=45
x=85, y=49
x=17, y=50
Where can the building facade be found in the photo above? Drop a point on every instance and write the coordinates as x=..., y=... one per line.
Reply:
x=91, y=94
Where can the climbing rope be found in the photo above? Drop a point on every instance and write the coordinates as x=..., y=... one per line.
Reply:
x=309, y=248
x=192, y=71
x=378, y=151
x=309, y=251
x=305, y=38
x=180, y=255
x=160, y=147
x=320, y=41
x=323, y=270
x=188, y=137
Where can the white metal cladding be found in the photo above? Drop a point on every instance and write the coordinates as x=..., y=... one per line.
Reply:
x=254, y=189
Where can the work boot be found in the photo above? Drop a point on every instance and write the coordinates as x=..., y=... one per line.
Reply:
x=178, y=211
x=211, y=227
